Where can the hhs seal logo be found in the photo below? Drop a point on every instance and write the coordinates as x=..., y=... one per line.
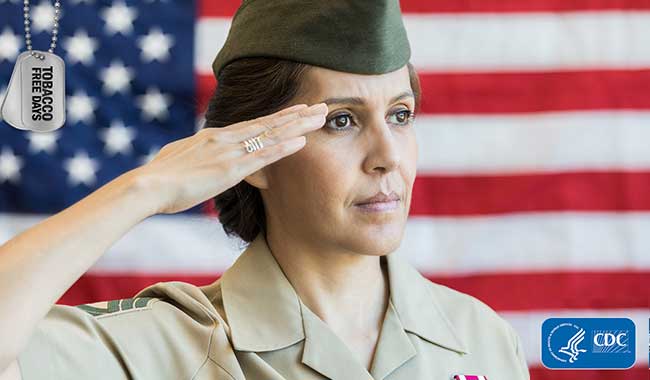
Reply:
x=571, y=349
x=588, y=343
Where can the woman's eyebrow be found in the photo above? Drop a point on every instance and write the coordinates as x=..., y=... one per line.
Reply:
x=360, y=101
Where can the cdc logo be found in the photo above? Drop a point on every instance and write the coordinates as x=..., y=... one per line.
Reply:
x=588, y=343
x=611, y=341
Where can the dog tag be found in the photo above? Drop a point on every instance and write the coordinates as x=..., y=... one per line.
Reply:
x=43, y=92
x=35, y=99
x=11, y=107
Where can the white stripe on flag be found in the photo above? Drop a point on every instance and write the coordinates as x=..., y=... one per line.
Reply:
x=529, y=41
x=534, y=242
x=209, y=36
x=533, y=143
x=499, y=42
x=531, y=242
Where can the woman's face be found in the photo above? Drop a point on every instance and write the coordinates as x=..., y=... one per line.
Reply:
x=367, y=145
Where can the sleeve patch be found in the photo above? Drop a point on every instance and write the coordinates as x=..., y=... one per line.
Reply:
x=108, y=307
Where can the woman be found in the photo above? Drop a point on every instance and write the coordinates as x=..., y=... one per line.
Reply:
x=318, y=293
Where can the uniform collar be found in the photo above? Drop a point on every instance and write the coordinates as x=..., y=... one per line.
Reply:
x=265, y=313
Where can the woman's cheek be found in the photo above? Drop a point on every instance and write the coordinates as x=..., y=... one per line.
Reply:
x=410, y=161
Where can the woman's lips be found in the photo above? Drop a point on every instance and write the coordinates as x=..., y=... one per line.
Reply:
x=378, y=206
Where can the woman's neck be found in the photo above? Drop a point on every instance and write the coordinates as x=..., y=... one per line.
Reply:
x=347, y=290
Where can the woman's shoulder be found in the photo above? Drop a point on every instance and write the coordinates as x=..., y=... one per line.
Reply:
x=453, y=301
x=176, y=297
x=98, y=336
x=179, y=310
x=470, y=315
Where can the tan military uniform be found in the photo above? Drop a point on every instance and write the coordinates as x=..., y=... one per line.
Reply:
x=250, y=324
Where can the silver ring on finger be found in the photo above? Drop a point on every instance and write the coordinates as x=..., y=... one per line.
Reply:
x=255, y=143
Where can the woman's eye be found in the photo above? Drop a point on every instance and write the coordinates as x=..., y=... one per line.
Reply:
x=404, y=117
x=341, y=122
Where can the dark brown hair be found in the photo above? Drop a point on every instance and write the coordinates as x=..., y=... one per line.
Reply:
x=249, y=88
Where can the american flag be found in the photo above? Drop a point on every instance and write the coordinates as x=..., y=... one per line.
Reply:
x=533, y=176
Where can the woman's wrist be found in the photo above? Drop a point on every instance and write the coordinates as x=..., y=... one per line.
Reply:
x=137, y=194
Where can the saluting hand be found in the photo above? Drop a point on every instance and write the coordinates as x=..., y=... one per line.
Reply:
x=194, y=169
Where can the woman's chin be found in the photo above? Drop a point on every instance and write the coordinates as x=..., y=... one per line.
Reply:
x=377, y=239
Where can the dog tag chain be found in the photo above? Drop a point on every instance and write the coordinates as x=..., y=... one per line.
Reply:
x=35, y=98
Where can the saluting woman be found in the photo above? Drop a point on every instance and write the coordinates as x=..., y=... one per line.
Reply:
x=309, y=151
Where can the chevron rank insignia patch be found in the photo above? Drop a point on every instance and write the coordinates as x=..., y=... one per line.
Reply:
x=109, y=307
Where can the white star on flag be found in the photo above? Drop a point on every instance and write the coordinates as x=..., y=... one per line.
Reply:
x=42, y=141
x=9, y=45
x=154, y=104
x=116, y=77
x=80, y=47
x=119, y=18
x=10, y=165
x=117, y=138
x=155, y=45
x=81, y=169
x=43, y=17
x=81, y=107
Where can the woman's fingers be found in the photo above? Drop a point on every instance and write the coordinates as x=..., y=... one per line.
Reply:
x=286, y=111
x=252, y=162
x=254, y=127
x=275, y=130
x=285, y=138
x=291, y=109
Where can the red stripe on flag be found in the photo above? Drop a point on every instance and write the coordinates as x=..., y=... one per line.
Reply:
x=498, y=194
x=554, y=290
x=634, y=373
x=502, y=291
x=103, y=287
x=499, y=6
x=518, y=92
x=209, y=8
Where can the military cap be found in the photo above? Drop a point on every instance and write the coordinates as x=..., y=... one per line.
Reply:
x=357, y=36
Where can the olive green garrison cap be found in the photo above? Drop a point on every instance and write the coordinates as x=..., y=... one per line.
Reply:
x=357, y=36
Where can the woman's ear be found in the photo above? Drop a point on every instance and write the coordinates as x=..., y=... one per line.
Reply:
x=258, y=179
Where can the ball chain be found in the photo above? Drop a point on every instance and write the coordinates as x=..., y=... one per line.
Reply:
x=55, y=30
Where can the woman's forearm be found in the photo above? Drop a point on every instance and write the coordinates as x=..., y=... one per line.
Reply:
x=41, y=263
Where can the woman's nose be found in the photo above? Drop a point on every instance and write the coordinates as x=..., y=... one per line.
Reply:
x=383, y=152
